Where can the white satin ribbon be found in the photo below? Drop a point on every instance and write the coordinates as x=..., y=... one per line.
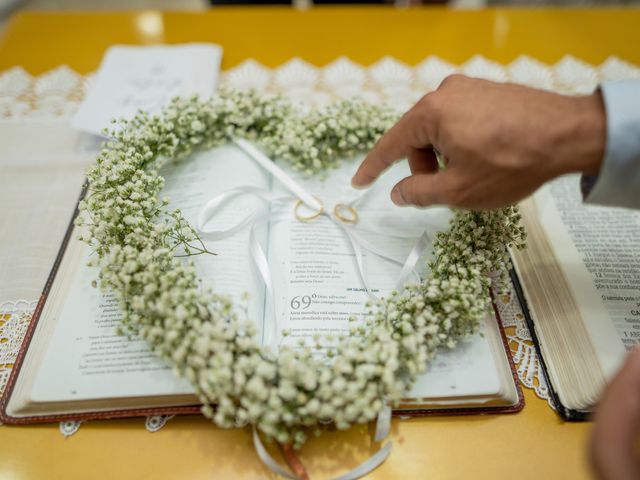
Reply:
x=218, y=202
x=356, y=243
x=270, y=166
x=383, y=424
x=267, y=459
x=370, y=464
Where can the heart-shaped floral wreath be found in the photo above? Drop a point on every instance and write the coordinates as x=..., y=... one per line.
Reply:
x=138, y=243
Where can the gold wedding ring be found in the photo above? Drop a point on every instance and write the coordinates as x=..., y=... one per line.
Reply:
x=339, y=212
x=307, y=218
x=343, y=212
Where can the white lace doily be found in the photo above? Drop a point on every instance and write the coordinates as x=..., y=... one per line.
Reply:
x=14, y=321
x=55, y=95
x=523, y=352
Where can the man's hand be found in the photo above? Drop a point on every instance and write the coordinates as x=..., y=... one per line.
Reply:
x=614, y=447
x=500, y=143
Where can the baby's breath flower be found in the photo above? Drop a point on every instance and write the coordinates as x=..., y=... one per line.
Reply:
x=139, y=243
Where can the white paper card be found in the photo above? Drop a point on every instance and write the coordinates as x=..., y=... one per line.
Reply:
x=146, y=78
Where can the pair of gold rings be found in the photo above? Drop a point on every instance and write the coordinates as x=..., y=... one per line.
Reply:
x=343, y=212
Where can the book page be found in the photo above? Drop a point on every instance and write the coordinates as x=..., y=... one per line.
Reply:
x=317, y=287
x=598, y=249
x=86, y=359
x=474, y=370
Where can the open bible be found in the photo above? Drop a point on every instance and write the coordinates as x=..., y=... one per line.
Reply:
x=75, y=365
x=580, y=278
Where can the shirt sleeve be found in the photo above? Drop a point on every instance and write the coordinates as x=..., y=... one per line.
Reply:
x=618, y=182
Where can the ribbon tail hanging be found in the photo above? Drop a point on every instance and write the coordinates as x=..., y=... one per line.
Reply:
x=370, y=464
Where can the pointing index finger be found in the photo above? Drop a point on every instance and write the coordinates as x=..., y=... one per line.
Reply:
x=410, y=133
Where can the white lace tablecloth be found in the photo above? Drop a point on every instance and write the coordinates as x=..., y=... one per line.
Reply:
x=42, y=162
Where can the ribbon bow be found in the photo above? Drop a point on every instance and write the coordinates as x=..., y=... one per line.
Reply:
x=345, y=217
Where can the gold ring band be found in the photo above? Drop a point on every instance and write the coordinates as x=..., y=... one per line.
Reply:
x=308, y=218
x=338, y=212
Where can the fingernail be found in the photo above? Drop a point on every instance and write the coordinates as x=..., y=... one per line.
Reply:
x=396, y=196
x=355, y=183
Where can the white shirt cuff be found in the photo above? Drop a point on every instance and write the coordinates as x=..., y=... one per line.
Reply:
x=618, y=183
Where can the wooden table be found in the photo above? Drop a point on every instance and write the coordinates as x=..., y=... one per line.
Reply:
x=532, y=444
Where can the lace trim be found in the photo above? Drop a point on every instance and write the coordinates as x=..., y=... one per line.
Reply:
x=14, y=321
x=55, y=95
x=69, y=427
x=152, y=423
x=523, y=352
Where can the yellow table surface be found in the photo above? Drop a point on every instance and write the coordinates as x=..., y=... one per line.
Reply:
x=532, y=444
